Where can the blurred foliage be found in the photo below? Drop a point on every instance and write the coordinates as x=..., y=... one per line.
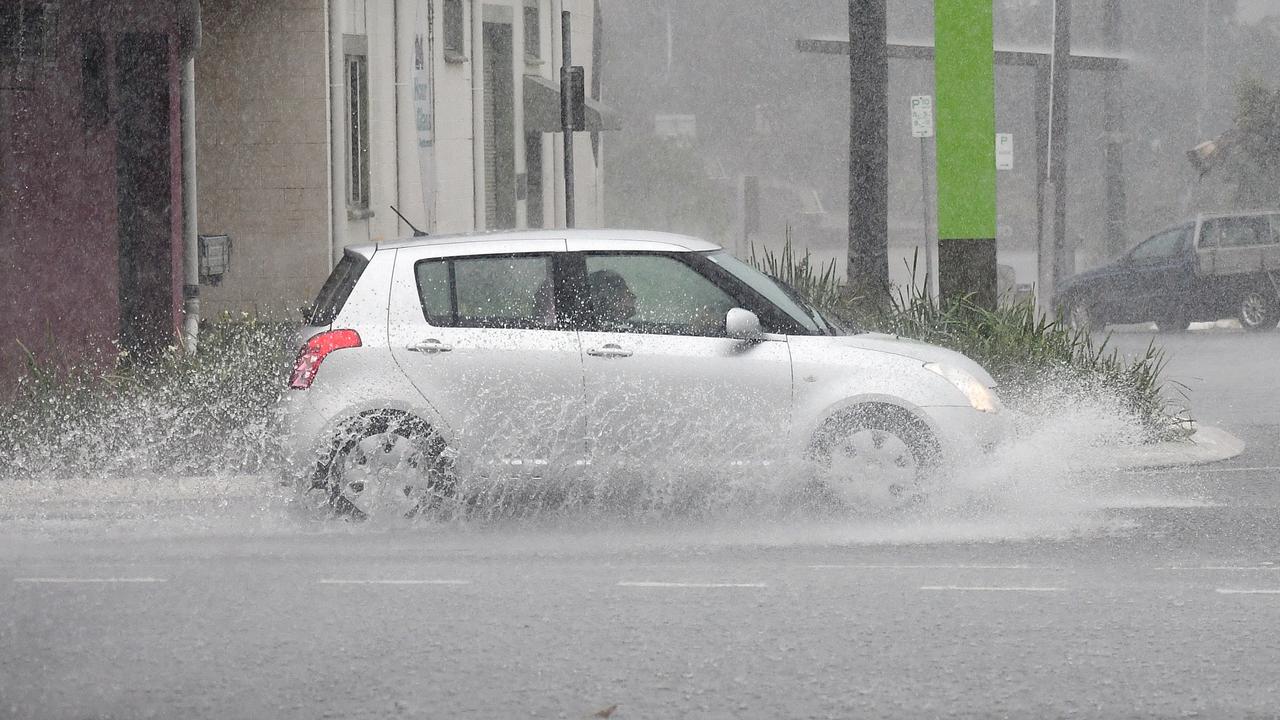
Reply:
x=1253, y=164
x=1035, y=360
x=660, y=184
x=204, y=413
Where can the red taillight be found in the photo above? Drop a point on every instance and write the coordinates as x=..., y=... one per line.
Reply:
x=314, y=353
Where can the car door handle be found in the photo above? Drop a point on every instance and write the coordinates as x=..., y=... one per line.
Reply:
x=430, y=346
x=610, y=350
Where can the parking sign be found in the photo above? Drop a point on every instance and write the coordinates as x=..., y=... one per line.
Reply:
x=922, y=116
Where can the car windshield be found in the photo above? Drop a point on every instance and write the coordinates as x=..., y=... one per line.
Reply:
x=781, y=295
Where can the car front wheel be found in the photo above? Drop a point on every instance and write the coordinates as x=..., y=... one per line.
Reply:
x=876, y=459
x=1258, y=310
x=1081, y=317
x=382, y=466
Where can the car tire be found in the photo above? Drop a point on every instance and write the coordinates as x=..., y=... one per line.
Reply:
x=1173, y=322
x=1081, y=316
x=874, y=458
x=1258, y=310
x=382, y=466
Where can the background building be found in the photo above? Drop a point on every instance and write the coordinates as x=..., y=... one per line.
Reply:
x=90, y=176
x=314, y=118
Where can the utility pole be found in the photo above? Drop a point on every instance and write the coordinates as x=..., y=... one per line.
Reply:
x=964, y=72
x=1113, y=120
x=868, y=266
x=1063, y=257
x=566, y=106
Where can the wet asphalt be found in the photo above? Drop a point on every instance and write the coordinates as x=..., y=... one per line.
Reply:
x=1130, y=594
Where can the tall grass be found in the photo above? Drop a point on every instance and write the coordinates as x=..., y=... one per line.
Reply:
x=1036, y=360
x=202, y=413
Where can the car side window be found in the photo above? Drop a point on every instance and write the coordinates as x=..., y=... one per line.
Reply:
x=1243, y=232
x=503, y=291
x=657, y=294
x=1165, y=245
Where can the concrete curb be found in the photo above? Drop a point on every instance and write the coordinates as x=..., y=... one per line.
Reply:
x=1207, y=444
x=141, y=490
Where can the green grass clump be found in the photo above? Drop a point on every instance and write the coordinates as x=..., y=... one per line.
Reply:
x=204, y=413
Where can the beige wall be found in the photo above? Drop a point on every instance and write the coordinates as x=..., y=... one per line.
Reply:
x=263, y=151
x=263, y=138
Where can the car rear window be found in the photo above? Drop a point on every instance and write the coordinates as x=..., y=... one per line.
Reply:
x=336, y=289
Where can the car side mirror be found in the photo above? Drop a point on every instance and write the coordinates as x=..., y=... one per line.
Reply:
x=743, y=324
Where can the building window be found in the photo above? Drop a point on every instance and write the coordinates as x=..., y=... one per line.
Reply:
x=357, y=84
x=95, y=99
x=28, y=32
x=455, y=31
x=532, y=31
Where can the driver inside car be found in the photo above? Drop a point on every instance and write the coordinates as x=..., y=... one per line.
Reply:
x=612, y=302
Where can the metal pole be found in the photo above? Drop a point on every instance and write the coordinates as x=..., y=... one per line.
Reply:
x=337, y=133
x=1044, y=235
x=1113, y=111
x=930, y=259
x=1059, y=103
x=566, y=53
x=868, y=268
x=190, y=231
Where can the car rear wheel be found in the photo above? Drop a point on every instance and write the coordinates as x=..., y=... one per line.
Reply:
x=1172, y=321
x=382, y=467
x=876, y=459
x=1258, y=310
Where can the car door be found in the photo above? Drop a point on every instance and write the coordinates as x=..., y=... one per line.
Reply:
x=480, y=338
x=664, y=385
x=1161, y=271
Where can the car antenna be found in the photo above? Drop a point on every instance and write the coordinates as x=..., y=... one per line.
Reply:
x=416, y=231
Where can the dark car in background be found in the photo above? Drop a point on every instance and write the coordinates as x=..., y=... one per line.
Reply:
x=1214, y=267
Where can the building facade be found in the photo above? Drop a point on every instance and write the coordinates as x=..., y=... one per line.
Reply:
x=90, y=177
x=314, y=118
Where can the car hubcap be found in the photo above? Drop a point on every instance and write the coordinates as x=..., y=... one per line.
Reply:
x=1253, y=310
x=385, y=476
x=873, y=469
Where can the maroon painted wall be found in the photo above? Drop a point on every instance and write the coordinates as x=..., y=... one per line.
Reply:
x=59, y=245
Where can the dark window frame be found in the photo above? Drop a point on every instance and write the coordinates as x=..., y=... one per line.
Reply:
x=95, y=83
x=29, y=33
x=359, y=140
x=532, y=20
x=454, y=31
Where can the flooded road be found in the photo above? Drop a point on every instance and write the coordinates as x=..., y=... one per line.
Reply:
x=1120, y=594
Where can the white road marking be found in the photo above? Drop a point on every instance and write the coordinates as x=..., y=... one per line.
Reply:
x=69, y=580
x=331, y=581
x=982, y=588
x=647, y=584
x=933, y=567
x=1197, y=469
x=1238, y=591
x=1223, y=568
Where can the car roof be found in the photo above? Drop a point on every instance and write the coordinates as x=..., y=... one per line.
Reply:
x=1248, y=213
x=579, y=240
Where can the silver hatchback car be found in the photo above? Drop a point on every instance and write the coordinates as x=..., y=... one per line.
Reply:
x=431, y=362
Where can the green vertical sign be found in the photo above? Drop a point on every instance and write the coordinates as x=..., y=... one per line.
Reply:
x=964, y=72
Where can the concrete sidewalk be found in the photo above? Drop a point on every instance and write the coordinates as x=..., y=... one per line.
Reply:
x=1207, y=444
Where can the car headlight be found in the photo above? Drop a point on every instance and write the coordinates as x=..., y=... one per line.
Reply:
x=979, y=395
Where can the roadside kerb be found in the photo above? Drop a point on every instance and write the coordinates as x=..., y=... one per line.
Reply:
x=1207, y=444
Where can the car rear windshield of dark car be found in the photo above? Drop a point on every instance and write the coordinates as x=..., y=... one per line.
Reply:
x=336, y=289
